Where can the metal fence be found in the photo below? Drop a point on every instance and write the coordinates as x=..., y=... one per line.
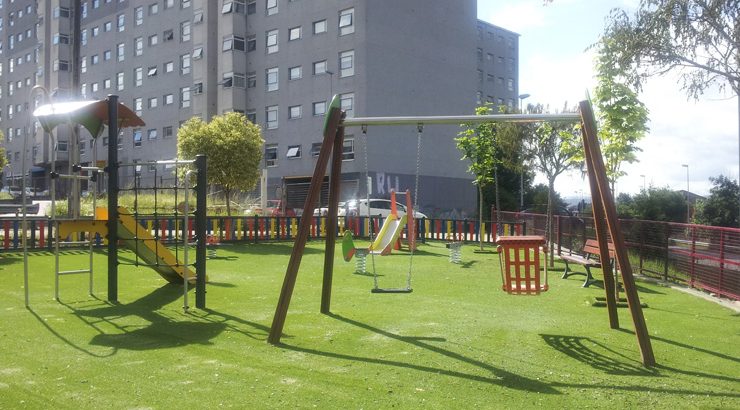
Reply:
x=703, y=257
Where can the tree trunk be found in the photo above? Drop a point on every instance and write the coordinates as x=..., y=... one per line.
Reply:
x=499, y=228
x=548, y=227
x=227, y=191
x=480, y=216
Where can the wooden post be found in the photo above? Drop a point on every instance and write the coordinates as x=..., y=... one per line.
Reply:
x=598, y=170
x=331, y=220
x=597, y=207
x=333, y=120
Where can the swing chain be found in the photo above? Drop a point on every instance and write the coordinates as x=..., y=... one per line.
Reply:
x=419, y=132
x=367, y=198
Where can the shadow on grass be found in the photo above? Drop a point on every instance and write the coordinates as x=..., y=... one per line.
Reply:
x=582, y=349
x=498, y=376
x=468, y=264
x=68, y=342
x=272, y=248
x=160, y=333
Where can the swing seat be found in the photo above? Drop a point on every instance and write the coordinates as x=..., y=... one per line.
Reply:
x=391, y=290
x=519, y=257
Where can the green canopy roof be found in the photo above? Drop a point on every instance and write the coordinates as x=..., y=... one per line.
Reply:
x=93, y=115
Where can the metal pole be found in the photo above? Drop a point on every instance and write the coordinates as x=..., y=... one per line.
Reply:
x=200, y=231
x=460, y=119
x=113, y=198
x=185, y=241
x=688, y=202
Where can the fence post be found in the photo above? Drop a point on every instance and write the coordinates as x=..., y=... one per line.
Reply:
x=721, y=260
x=693, y=252
x=667, y=240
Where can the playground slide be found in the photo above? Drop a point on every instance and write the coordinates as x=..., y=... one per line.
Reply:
x=383, y=244
x=151, y=251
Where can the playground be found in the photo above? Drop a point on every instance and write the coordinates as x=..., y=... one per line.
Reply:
x=457, y=341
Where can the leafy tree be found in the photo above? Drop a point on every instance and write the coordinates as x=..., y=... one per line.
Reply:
x=653, y=204
x=538, y=196
x=552, y=148
x=697, y=38
x=233, y=146
x=489, y=150
x=721, y=208
x=622, y=117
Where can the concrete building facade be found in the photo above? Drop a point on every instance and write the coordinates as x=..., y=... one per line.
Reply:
x=278, y=62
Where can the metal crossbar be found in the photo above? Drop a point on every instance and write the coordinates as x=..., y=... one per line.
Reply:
x=460, y=119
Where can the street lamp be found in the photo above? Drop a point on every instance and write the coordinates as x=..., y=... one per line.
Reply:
x=643, y=181
x=522, y=97
x=688, y=204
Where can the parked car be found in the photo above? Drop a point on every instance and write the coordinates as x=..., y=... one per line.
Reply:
x=380, y=207
x=15, y=191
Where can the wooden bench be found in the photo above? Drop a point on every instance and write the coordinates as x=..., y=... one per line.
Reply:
x=589, y=258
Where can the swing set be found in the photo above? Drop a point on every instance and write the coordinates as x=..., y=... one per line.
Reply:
x=524, y=260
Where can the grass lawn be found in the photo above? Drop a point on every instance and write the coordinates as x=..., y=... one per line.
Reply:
x=457, y=341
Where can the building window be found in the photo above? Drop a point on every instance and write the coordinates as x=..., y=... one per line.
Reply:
x=107, y=26
x=295, y=73
x=152, y=134
x=119, y=81
x=251, y=43
x=251, y=6
x=61, y=38
x=168, y=35
x=152, y=102
x=346, y=21
x=153, y=40
x=319, y=27
x=185, y=64
x=319, y=67
x=167, y=132
x=510, y=84
x=152, y=71
x=198, y=88
x=169, y=67
x=294, y=152
x=198, y=17
x=184, y=4
x=83, y=65
x=348, y=149
x=121, y=22
x=185, y=97
x=168, y=99
x=61, y=65
x=319, y=108
x=233, y=43
x=138, y=16
x=153, y=9
x=271, y=158
x=347, y=63
x=121, y=51
x=294, y=33
x=251, y=80
x=271, y=117
x=271, y=7
x=185, y=31
x=479, y=53
x=348, y=103
x=231, y=79
x=138, y=77
x=315, y=149
x=137, y=137
x=272, y=78
x=252, y=116
x=272, y=41
x=138, y=46
x=197, y=53
x=294, y=112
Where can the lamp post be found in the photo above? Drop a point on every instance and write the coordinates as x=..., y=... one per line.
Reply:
x=522, y=97
x=643, y=181
x=688, y=203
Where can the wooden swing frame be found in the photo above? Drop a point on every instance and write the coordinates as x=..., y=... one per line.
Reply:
x=604, y=209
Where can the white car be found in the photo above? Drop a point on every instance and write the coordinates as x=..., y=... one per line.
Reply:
x=380, y=207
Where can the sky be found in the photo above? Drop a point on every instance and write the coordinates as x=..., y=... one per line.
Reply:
x=555, y=68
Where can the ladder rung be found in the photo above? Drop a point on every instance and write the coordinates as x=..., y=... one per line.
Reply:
x=73, y=272
x=74, y=243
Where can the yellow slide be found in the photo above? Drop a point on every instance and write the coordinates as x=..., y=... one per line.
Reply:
x=152, y=251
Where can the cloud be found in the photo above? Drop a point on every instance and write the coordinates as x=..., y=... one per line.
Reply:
x=516, y=16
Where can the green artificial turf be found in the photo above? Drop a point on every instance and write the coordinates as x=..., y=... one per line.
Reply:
x=457, y=341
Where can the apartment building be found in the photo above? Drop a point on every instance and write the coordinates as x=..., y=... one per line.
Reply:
x=277, y=61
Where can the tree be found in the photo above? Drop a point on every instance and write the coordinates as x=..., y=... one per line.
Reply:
x=233, y=146
x=697, y=38
x=654, y=204
x=552, y=148
x=622, y=117
x=721, y=208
